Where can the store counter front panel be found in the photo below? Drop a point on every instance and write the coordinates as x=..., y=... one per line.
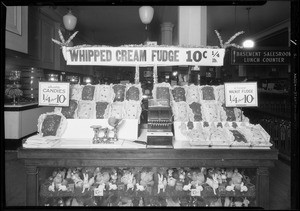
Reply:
x=148, y=186
x=147, y=177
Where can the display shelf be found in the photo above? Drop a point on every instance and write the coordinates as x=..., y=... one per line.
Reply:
x=122, y=194
x=261, y=160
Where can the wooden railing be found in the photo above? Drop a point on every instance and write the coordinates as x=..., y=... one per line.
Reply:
x=277, y=104
x=277, y=126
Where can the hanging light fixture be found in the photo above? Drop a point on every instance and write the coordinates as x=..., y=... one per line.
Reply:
x=248, y=43
x=69, y=21
x=146, y=14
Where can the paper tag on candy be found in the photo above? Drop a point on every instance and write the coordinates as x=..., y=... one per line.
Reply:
x=98, y=192
x=195, y=192
x=71, y=187
x=121, y=187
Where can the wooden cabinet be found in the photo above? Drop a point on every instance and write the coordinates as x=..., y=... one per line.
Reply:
x=47, y=32
x=20, y=121
x=42, y=52
x=16, y=33
x=49, y=52
x=34, y=27
x=42, y=24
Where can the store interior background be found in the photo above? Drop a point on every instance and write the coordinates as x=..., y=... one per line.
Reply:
x=270, y=27
x=268, y=24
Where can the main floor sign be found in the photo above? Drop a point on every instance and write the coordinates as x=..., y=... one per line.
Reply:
x=143, y=56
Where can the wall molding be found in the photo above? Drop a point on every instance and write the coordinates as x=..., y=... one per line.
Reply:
x=273, y=29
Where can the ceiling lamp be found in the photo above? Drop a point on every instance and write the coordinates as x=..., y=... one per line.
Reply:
x=146, y=14
x=69, y=21
x=248, y=43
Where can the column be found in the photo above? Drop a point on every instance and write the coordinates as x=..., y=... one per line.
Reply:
x=31, y=186
x=242, y=71
x=166, y=29
x=192, y=25
x=166, y=33
x=262, y=187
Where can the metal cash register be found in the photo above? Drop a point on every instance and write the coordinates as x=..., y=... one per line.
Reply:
x=159, y=134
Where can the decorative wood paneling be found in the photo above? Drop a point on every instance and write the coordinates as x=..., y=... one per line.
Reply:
x=14, y=20
x=16, y=34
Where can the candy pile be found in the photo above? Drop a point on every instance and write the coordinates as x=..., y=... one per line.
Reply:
x=143, y=186
x=197, y=103
x=103, y=101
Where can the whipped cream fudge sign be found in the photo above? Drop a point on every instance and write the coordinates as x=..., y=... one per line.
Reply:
x=54, y=93
x=143, y=56
x=241, y=94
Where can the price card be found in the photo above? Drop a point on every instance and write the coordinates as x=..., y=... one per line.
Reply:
x=98, y=192
x=195, y=192
x=241, y=94
x=71, y=187
x=54, y=93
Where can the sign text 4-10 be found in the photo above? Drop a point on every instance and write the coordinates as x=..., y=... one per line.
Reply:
x=50, y=99
x=245, y=99
x=54, y=94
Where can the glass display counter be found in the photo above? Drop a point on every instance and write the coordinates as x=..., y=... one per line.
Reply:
x=162, y=168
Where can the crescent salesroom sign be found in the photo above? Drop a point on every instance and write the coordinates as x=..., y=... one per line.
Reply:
x=143, y=56
x=261, y=57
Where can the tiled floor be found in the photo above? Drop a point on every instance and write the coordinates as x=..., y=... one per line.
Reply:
x=280, y=183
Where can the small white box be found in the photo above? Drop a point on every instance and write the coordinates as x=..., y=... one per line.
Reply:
x=151, y=43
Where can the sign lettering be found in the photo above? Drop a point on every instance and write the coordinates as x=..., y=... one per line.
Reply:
x=260, y=57
x=241, y=94
x=143, y=56
x=195, y=192
x=54, y=94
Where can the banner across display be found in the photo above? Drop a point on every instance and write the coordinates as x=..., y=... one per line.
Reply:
x=143, y=56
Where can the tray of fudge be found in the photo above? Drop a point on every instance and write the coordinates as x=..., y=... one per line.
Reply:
x=223, y=135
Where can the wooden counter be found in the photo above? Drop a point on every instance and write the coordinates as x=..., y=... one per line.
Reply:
x=22, y=120
x=261, y=160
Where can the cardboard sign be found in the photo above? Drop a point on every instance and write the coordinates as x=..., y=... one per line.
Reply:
x=143, y=56
x=261, y=57
x=241, y=94
x=195, y=192
x=98, y=192
x=54, y=93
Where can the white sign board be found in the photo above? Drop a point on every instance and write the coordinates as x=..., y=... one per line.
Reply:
x=54, y=93
x=143, y=56
x=241, y=94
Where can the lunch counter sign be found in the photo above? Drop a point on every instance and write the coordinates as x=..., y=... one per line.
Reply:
x=54, y=94
x=261, y=57
x=241, y=94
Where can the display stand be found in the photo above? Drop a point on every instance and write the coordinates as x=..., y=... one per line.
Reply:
x=35, y=159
